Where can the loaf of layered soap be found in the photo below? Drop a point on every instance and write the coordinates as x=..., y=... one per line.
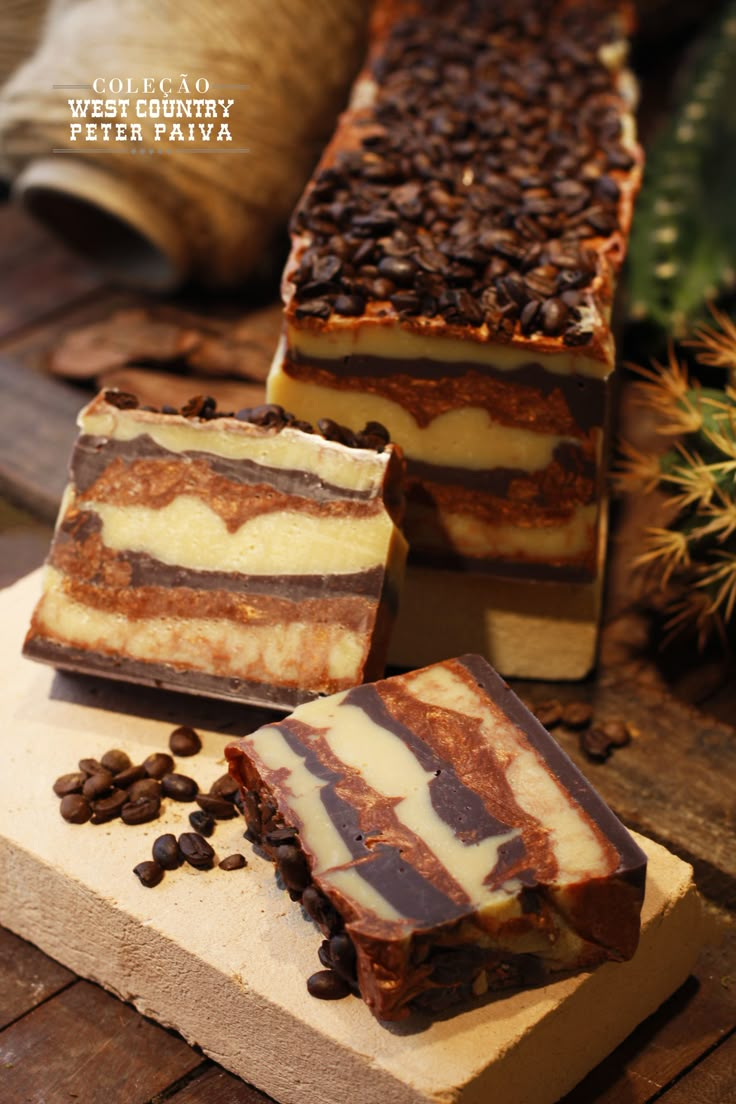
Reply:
x=243, y=556
x=440, y=837
x=453, y=269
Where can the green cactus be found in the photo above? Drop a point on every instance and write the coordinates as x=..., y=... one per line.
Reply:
x=693, y=555
x=682, y=251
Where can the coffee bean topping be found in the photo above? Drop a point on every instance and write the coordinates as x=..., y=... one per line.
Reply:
x=292, y=867
x=69, y=783
x=141, y=810
x=184, y=741
x=166, y=853
x=148, y=873
x=202, y=822
x=115, y=761
x=233, y=862
x=327, y=985
x=217, y=807
x=179, y=787
x=225, y=787
x=75, y=808
x=196, y=850
x=158, y=764
x=493, y=150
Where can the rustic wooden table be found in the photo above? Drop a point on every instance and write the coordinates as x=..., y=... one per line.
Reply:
x=63, y=1038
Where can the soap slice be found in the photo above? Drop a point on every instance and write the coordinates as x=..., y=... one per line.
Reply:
x=240, y=556
x=441, y=839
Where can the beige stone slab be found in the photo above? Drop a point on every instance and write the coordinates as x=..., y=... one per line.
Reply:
x=222, y=957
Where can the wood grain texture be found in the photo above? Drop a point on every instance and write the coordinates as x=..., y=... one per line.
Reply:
x=215, y=1086
x=89, y=1047
x=28, y=977
x=712, y=1082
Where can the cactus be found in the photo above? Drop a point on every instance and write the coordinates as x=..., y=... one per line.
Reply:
x=693, y=555
x=683, y=242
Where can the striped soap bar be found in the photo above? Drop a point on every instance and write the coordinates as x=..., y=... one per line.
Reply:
x=240, y=556
x=440, y=838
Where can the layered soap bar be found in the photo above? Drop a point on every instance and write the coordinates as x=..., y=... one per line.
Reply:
x=453, y=268
x=441, y=839
x=243, y=556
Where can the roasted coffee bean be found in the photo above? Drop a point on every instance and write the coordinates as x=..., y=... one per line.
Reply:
x=196, y=850
x=69, y=783
x=141, y=810
x=127, y=777
x=166, y=853
x=320, y=909
x=324, y=954
x=75, y=808
x=576, y=714
x=97, y=784
x=554, y=315
x=225, y=787
x=618, y=733
x=399, y=269
x=218, y=807
x=202, y=822
x=277, y=836
x=292, y=867
x=90, y=766
x=349, y=305
x=184, y=741
x=342, y=955
x=148, y=873
x=179, y=787
x=327, y=985
x=233, y=862
x=595, y=744
x=115, y=760
x=549, y=712
x=158, y=764
x=108, y=807
x=145, y=787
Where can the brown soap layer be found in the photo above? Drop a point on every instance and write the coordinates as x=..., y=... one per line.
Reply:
x=528, y=397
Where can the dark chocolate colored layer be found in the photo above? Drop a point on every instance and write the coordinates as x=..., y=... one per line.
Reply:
x=569, y=458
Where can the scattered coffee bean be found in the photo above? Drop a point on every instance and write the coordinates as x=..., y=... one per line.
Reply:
x=90, y=766
x=75, y=808
x=115, y=761
x=69, y=783
x=327, y=985
x=342, y=955
x=576, y=714
x=225, y=787
x=595, y=744
x=179, y=787
x=141, y=810
x=617, y=732
x=202, y=822
x=184, y=741
x=145, y=787
x=108, y=807
x=548, y=713
x=292, y=867
x=217, y=807
x=127, y=777
x=148, y=873
x=233, y=862
x=166, y=851
x=196, y=850
x=158, y=764
x=97, y=784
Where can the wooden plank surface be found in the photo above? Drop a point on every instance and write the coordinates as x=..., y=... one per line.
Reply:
x=27, y=977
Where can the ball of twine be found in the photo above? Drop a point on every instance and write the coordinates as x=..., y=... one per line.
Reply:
x=156, y=212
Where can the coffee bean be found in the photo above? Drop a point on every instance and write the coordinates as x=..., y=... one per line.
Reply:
x=233, y=862
x=202, y=822
x=75, y=808
x=576, y=714
x=165, y=851
x=184, y=741
x=320, y=909
x=179, y=787
x=115, y=761
x=196, y=850
x=349, y=305
x=617, y=732
x=554, y=316
x=90, y=766
x=399, y=269
x=145, y=787
x=108, y=807
x=595, y=744
x=149, y=873
x=97, y=784
x=342, y=955
x=217, y=807
x=327, y=985
x=141, y=810
x=127, y=777
x=285, y=834
x=292, y=867
x=158, y=764
x=226, y=787
x=69, y=783
x=549, y=712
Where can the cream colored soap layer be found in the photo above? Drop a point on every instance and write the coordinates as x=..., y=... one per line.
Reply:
x=285, y=450
x=477, y=538
x=463, y=438
x=188, y=533
x=263, y=653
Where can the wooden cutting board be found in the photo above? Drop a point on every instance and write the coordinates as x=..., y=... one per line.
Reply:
x=222, y=957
